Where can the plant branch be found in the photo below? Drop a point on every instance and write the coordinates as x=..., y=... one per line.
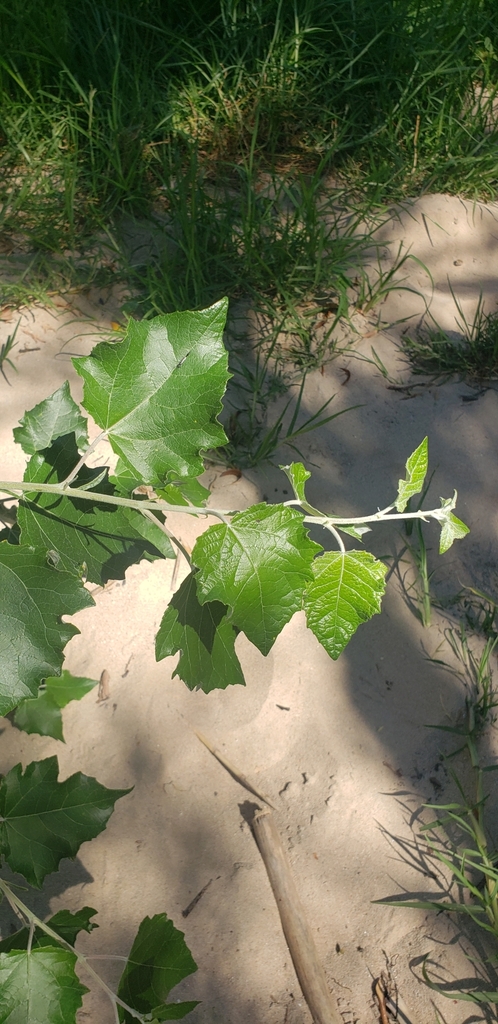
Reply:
x=24, y=486
x=74, y=472
x=337, y=537
x=383, y=515
x=146, y=512
x=35, y=922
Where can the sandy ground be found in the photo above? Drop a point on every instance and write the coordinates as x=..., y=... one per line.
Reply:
x=342, y=748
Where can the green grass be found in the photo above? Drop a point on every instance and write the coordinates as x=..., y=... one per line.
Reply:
x=244, y=129
x=103, y=100
x=472, y=357
x=460, y=836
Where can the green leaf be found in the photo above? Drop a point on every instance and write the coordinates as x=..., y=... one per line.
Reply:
x=452, y=528
x=91, y=538
x=42, y=714
x=205, y=638
x=259, y=564
x=159, y=959
x=180, y=492
x=40, y=987
x=458, y=908
x=416, y=470
x=52, y=418
x=33, y=596
x=346, y=591
x=124, y=480
x=64, y=922
x=298, y=475
x=42, y=820
x=354, y=531
x=188, y=491
x=158, y=392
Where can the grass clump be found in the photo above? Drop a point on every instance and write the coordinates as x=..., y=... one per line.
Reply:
x=101, y=99
x=239, y=131
x=472, y=357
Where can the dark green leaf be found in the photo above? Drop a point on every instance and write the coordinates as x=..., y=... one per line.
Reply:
x=205, y=638
x=158, y=392
x=259, y=565
x=52, y=418
x=416, y=470
x=33, y=596
x=65, y=923
x=159, y=959
x=95, y=539
x=43, y=820
x=123, y=480
x=42, y=714
x=40, y=987
x=346, y=591
x=68, y=924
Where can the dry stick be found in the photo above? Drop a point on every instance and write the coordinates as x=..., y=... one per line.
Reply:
x=234, y=772
x=379, y=992
x=295, y=925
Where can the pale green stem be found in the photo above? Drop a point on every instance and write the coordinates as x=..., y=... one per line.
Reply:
x=162, y=526
x=337, y=537
x=74, y=472
x=34, y=922
x=10, y=487
x=24, y=486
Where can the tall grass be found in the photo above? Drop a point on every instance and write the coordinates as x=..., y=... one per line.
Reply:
x=112, y=106
x=96, y=94
x=236, y=133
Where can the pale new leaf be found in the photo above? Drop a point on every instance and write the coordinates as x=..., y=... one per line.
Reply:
x=416, y=471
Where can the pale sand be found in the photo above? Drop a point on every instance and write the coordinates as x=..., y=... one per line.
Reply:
x=341, y=747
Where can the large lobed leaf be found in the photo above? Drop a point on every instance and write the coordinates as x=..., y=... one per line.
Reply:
x=346, y=591
x=259, y=564
x=159, y=959
x=158, y=392
x=204, y=636
x=97, y=539
x=43, y=820
x=39, y=987
x=33, y=596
